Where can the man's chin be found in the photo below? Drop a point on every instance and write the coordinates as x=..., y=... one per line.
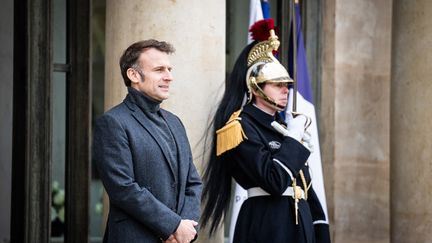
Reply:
x=164, y=97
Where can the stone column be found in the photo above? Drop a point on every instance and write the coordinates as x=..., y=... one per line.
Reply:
x=355, y=118
x=196, y=28
x=411, y=115
x=327, y=109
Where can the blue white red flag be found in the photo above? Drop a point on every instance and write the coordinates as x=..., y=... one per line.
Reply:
x=305, y=105
x=265, y=5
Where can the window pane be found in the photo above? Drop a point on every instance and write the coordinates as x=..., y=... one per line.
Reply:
x=59, y=31
x=58, y=156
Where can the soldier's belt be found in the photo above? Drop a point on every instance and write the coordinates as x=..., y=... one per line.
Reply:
x=258, y=191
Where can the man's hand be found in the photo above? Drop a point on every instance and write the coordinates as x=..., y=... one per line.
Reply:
x=171, y=239
x=186, y=231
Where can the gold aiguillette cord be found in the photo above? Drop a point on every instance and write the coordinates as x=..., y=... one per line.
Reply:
x=296, y=200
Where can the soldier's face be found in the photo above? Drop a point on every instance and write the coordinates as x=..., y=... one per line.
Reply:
x=278, y=92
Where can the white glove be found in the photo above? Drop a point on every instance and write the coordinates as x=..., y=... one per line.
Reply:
x=307, y=141
x=296, y=126
x=296, y=129
x=279, y=128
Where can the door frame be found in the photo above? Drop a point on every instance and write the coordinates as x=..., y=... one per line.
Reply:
x=32, y=113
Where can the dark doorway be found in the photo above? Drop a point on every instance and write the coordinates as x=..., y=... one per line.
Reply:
x=51, y=120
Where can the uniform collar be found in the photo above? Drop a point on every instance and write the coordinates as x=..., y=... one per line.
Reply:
x=261, y=116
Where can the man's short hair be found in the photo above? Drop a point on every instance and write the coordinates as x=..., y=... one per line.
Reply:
x=132, y=53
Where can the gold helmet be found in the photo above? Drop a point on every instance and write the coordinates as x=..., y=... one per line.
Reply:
x=263, y=67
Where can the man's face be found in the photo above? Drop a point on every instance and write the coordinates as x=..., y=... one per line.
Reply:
x=156, y=67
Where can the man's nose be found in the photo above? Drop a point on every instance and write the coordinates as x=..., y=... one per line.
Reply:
x=168, y=76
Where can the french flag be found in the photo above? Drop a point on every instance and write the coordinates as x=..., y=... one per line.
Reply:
x=305, y=105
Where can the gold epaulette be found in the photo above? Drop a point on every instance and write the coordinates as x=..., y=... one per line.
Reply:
x=230, y=135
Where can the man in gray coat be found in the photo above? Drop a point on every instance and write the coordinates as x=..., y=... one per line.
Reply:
x=143, y=156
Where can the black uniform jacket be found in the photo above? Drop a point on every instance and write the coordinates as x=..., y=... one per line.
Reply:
x=259, y=161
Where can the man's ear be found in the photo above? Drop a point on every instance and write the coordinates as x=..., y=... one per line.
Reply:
x=133, y=75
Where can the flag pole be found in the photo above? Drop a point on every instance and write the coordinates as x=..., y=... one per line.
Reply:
x=294, y=35
x=283, y=13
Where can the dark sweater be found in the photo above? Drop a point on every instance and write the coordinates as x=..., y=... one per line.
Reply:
x=151, y=109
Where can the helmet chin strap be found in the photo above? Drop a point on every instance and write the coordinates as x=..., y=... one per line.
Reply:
x=269, y=100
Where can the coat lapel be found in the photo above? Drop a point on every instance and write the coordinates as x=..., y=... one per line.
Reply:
x=183, y=149
x=178, y=136
x=151, y=129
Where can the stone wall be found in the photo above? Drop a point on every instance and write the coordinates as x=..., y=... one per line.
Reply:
x=355, y=118
x=411, y=127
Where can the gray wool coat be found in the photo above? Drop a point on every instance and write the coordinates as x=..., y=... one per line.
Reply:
x=147, y=198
